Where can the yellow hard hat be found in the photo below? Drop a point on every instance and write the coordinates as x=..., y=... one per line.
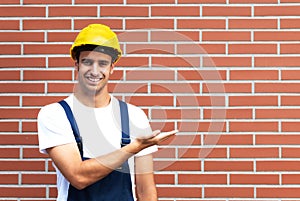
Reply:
x=97, y=34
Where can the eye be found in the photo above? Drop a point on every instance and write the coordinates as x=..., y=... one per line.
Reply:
x=87, y=62
x=103, y=63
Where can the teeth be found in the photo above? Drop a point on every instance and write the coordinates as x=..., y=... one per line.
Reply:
x=94, y=79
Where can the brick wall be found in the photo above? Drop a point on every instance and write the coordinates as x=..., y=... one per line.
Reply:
x=224, y=72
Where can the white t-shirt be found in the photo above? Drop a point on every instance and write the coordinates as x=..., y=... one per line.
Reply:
x=100, y=129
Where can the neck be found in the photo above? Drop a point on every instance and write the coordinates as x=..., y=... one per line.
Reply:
x=95, y=100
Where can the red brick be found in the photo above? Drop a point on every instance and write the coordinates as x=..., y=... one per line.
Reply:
x=277, y=139
x=289, y=48
x=201, y=24
x=60, y=87
x=253, y=126
x=200, y=100
x=32, y=153
x=202, y=1
x=254, y=152
x=47, y=2
x=201, y=75
x=289, y=23
x=253, y=100
x=175, y=88
x=75, y=11
x=227, y=113
x=150, y=24
x=226, y=36
x=277, y=10
x=9, y=153
x=290, y=100
x=226, y=11
x=8, y=179
x=277, y=113
x=228, y=166
x=252, y=48
x=60, y=62
x=8, y=127
x=253, y=1
x=164, y=178
x=252, y=24
x=175, y=114
x=202, y=153
x=200, y=49
x=227, y=88
x=23, y=11
x=276, y=36
x=24, y=113
x=40, y=100
x=128, y=88
x=189, y=36
x=151, y=100
x=22, y=62
x=290, y=126
x=177, y=165
x=97, y=2
x=183, y=140
x=61, y=36
x=38, y=179
x=175, y=61
x=229, y=192
x=290, y=179
x=16, y=139
x=201, y=126
x=162, y=126
x=165, y=153
x=175, y=11
x=10, y=75
x=124, y=11
x=277, y=61
x=9, y=100
x=150, y=75
x=152, y=1
x=277, y=87
x=277, y=192
x=22, y=88
x=21, y=36
x=29, y=127
x=10, y=49
x=150, y=49
x=4, y=2
x=202, y=178
x=10, y=25
x=133, y=62
x=255, y=179
x=228, y=139
x=24, y=192
x=22, y=165
x=113, y=23
x=290, y=152
x=180, y=192
x=254, y=75
x=46, y=49
x=43, y=24
x=227, y=61
x=47, y=75
x=278, y=165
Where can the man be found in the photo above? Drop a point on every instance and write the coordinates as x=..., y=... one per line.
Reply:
x=100, y=170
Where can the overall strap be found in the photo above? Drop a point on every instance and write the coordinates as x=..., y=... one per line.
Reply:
x=73, y=123
x=125, y=123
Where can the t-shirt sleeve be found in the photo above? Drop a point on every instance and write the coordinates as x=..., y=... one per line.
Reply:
x=140, y=127
x=54, y=128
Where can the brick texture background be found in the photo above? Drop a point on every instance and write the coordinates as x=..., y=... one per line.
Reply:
x=224, y=72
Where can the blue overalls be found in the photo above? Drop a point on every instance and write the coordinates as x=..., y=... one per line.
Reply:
x=116, y=186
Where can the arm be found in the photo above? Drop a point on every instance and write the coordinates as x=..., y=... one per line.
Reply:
x=146, y=189
x=83, y=173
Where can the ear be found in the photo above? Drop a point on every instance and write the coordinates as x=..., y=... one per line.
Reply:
x=112, y=68
x=76, y=65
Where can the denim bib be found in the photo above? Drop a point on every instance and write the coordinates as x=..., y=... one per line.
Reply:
x=117, y=185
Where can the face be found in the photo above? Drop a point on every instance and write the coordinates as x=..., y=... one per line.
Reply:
x=94, y=69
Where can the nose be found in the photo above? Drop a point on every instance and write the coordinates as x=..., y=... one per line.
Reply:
x=95, y=69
